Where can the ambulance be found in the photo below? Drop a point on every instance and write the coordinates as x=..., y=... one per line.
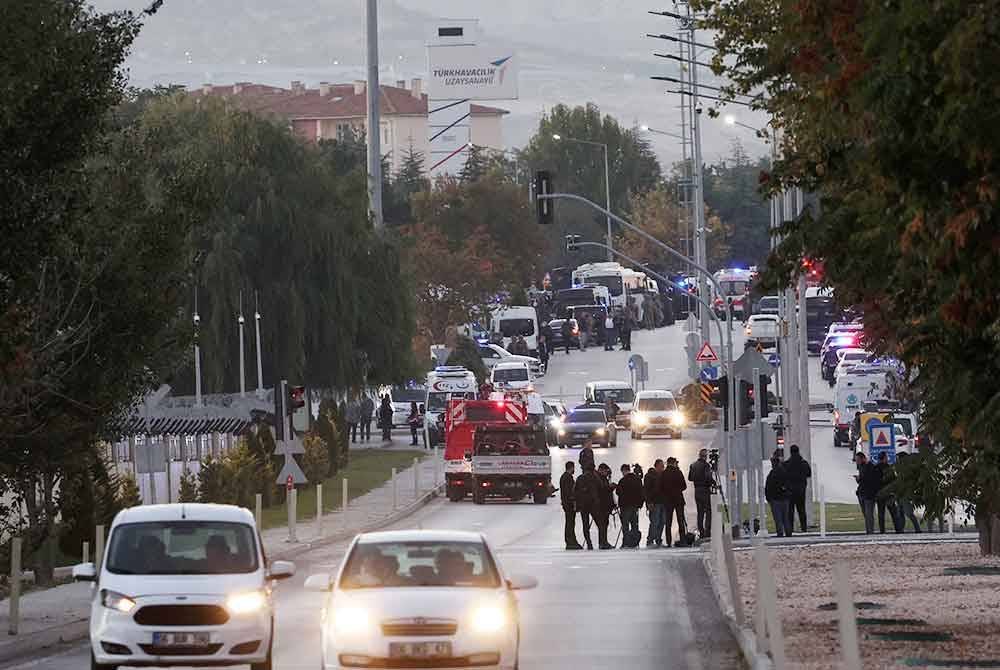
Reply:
x=445, y=383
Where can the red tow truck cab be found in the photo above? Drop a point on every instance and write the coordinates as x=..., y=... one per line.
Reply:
x=462, y=417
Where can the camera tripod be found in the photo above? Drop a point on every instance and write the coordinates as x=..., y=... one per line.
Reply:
x=717, y=487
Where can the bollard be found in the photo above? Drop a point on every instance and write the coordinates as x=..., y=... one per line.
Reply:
x=716, y=537
x=292, y=513
x=395, y=490
x=319, y=510
x=759, y=624
x=769, y=600
x=416, y=478
x=343, y=502
x=99, y=551
x=15, y=585
x=822, y=511
x=951, y=523
x=437, y=467
x=850, y=653
x=258, y=505
x=86, y=552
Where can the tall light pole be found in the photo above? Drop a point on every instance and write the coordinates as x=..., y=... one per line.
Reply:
x=647, y=129
x=260, y=369
x=243, y=376
x=607, y=182
x=374, y=117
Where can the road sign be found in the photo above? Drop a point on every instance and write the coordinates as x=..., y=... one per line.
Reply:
x=774, y=360
x=288, y=449
x=870, y=419
x=638, y=364
x=709, y=373
x=760, y=348
x=706, y=393
x=750, y=361
x=707, y=354
x=883, y=441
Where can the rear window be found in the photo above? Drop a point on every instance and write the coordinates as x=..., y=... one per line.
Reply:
x=657, y=404
x=769, y=303
x=408, y=395
x=510, y=375
x=587, y=416
x=617, y=395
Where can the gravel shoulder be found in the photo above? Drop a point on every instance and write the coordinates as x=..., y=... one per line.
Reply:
x=904, y=582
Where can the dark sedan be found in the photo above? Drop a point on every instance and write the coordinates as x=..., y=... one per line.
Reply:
x=557, y=336
x=587, y=423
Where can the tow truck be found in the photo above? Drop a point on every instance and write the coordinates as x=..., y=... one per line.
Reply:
x=461, y=420
x=510, y=461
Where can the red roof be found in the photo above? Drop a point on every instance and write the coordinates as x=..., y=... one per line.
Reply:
x=341, y=102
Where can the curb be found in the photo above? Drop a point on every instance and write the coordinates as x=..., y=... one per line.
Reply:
x=745, y=637
x=74, y=631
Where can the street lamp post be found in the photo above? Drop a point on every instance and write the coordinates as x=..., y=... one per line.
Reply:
x=647, y=129
x=607, y=182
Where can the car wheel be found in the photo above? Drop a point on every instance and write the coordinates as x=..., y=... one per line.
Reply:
x=94, y=665
x=478, y=498
x=541, y=498
x=836, y=441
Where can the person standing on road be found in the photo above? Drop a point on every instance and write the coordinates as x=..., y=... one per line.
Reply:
x=385, y=418
x=798, y=473
x=367, y=412
x=869, y=482
x=423, y=418
x=543, y=353
x=568, y=499
x=904, y=506
x=629, y=501
x=605, y=505
x=654, y=503
x=586, y=457
x=587, y=496
x=567, y=333
x=886, y=499
x=414, y=422
x=700, y=475
x=672, y=487
x=609, y=333
x=353, y=418
x=611, y=409
x=626, y=331
x=777, y=493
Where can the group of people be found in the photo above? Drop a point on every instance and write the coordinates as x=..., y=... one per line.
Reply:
x=877, y=492
x=592, y=495
x=785, y=490
x=359, y=413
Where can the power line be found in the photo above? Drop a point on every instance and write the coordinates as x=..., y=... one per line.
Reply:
x=671, y=38
x=674, y=80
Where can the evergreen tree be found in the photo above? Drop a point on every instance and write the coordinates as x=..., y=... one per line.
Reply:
x=128, y=492
x=476, y=165
x=188, y=488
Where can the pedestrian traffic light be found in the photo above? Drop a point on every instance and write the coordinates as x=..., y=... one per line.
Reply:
x=296, y=398
x=544, y=208
x=571, y=243
x=763, y=402
x=745, y=403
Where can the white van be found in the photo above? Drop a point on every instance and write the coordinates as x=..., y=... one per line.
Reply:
x=513, y=376
x=620, y=392
x=657, y=412
x=444, y=383
x=182, y=585
x=853, y=389
x=512, y=321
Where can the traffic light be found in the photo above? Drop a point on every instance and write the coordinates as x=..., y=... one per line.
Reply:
x=571, y=242
x=763, y=403
x=745, y=403
x=296, y=399
x=544, y=208
x=724, y=400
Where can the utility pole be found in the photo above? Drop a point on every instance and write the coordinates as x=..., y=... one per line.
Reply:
x=607, y=192
x=197, y=353
x=260, y=369
x=374, y=120
x=243, y=376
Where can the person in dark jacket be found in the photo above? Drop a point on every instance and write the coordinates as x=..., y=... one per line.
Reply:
x=568, y=499
x=367, y=412
x=886, y=497
x=605, y=505
x=353, y=418
x=567, y=333
x=414, y=421
x=385, y=418
x=654, y=503
x=778, y=495
x=672, y=487
x=797, y=472
x=630, y=499
x=588, y=499
x=701, y=476
x=869, y=483
x=903, y=503
x=586, y=457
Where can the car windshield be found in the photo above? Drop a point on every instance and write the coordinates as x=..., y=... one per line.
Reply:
x=515, y=327
x=408, y=395
x=855, y=357
x=587, y=416
x=617, y=395
x=374, y=565
x=657, y=404
x=511, y=443
x=734, y=288
x=182, y=548
x=510, y=375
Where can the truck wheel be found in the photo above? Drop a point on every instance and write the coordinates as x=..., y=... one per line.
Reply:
x=455, y=496
x=478, y=498
x=541, y=499
x=836, y=440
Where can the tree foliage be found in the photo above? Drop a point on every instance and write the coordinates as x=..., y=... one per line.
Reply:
x=732, y=194
x=888, y=113
x=316, y=459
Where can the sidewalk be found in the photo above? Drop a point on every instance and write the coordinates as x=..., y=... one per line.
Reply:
x=60, y=614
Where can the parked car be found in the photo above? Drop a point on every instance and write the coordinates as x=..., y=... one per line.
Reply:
x=401, y=399
x=762, y=329
x=420, y=599
x=180, y=585
x=492, y=354
x=621, y=393
x=588, y=422
x=555, y=415
x=514, y=376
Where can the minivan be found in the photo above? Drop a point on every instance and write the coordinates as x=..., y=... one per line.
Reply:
x=620, y=392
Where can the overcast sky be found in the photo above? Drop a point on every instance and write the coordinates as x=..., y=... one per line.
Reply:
x=571, y=51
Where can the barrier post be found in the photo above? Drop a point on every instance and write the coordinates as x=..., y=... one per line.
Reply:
x=15, y=585
x=343, y=502
x=395, y=489
x=99, y=551
x=86, y=552
x=822, y=510
x=258, y=505
x=850, y=653
x=769, y=601
x=319, y=510
x=416, y=478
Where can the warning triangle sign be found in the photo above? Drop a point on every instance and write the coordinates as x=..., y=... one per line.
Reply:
x=706, y=354
x=881, y=439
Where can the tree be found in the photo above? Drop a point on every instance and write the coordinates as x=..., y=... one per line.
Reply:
x=90, y=490
x=128, y=492
x=476, y=165
x=316, y=459
x=410, y=179
x=325, y=428
x=188, y=488
x=466, y=354
x=887, y=113
x=732, y=193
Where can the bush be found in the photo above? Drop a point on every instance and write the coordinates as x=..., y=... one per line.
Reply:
x=210, y=481
x=326, y=428
x=128, y=492
x=188, y=488
x=316, y=459
x=236, y=478
x=466, y=354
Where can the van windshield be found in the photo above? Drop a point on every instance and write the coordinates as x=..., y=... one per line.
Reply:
x=515, y=327
x=437, y=402
x=374, y=565
x=657, y=404
x=182, y=548
x=617, y=395
x=510, y=375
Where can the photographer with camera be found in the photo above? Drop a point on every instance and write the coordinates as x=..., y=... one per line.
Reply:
x=702, y=475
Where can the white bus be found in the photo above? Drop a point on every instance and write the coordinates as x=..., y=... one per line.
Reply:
x=609, y=274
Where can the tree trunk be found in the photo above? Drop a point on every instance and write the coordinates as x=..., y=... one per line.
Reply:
x=989, y=533
x=44, y=565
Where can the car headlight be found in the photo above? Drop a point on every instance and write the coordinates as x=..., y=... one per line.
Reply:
x=489, y=619
x=600, y=431
x=350, y=620
x=640, y=419
x=117, y=601
x=562, y=431
x=246, y=603
x=677, y=418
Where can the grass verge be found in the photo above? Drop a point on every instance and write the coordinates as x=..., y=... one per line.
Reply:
x=367, y=470
x=840, y=518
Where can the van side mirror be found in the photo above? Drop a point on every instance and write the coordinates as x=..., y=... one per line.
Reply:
x=521, y=583
x=84, y=572
x=281, y=570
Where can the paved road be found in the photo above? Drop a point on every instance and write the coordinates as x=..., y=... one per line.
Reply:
x=637, y=609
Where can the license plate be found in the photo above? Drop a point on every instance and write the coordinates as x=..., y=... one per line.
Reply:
x=181, y=639
x=511, y=485
x=419, y=649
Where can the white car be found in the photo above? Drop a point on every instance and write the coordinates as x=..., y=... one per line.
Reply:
x=182, y=585
x=420, y=599
x=762, y=329
x=492, y=354
x=657, y=412
x=848, y=359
